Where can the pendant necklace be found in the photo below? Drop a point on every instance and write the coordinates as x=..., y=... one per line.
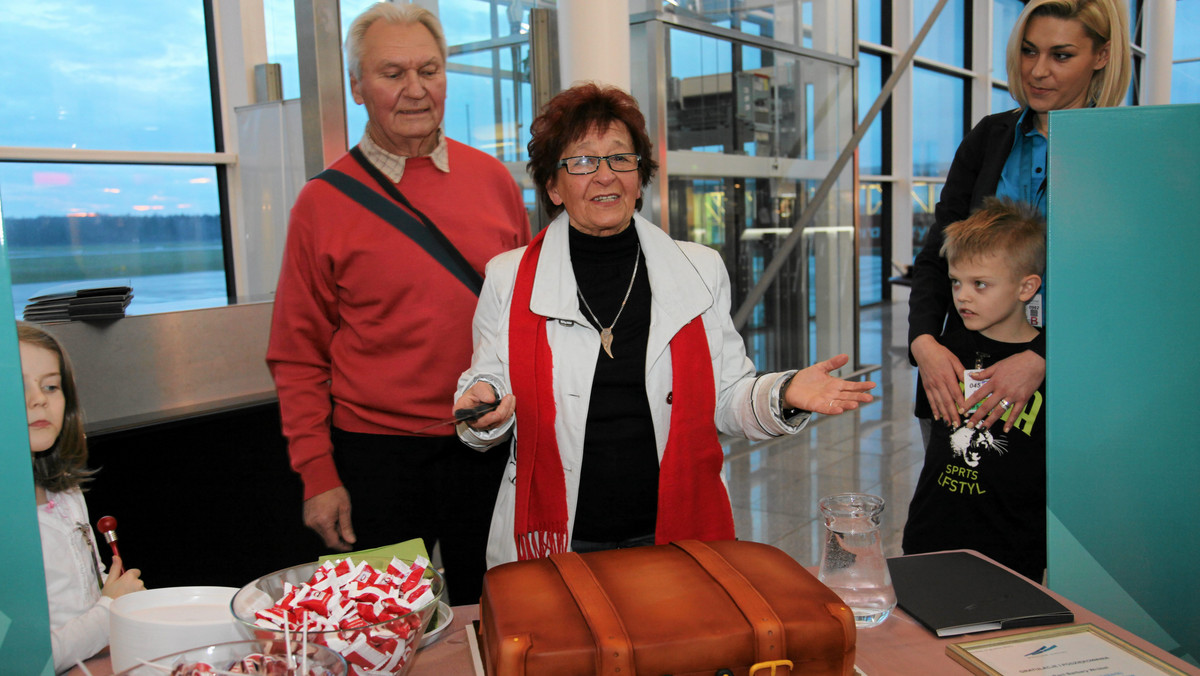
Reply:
x=606, y=334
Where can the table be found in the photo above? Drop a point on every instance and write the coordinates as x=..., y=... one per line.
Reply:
x=900, y=646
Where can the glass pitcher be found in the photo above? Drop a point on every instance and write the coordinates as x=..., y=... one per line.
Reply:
x=852, y=562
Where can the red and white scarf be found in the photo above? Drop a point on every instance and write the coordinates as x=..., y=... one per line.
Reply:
x=692, y=501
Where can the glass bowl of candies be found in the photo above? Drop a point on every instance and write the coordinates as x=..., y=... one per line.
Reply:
x=372, y=611
x=265, y=656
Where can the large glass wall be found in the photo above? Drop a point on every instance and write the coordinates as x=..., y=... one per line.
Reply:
x=111, y=167
x=751, y=132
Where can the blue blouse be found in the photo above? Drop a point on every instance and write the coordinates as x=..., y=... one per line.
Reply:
x=1024, y=178
x=1024, y=175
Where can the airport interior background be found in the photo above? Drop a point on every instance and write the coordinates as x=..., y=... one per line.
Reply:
x=158, y=144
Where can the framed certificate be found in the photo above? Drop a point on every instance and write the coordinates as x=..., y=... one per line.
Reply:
x=1081, y=648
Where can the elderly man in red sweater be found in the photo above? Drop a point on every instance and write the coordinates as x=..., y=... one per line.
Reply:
x=372, y=320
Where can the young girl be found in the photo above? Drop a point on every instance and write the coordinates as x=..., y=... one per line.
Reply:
x=78, y=592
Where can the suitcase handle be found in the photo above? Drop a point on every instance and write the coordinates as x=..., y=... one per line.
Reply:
x=770, y=642
x=614, y=650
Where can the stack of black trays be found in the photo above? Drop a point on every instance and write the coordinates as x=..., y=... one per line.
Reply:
x=89, y=300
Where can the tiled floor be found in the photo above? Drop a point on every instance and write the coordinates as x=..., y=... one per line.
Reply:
x=775, y=485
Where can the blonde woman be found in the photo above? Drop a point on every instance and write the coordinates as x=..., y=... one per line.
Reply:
x=1062, y=54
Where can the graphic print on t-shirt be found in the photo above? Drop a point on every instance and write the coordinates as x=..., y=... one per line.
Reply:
x=973, y=450
x=970, y=444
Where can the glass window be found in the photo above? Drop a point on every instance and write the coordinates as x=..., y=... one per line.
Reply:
x=693, y=55
x=946, y=41
x=873, y=265
x=751, y=18
x=480, y=20
x=747, y=220
x=1004, y=18
x=489, y=101
x=1185, y=72
x=1185, y=82
x=280, y=19
x=870, y=21
x=938, y=127
x=1002, y=100
x=157, y=226
x=925, y=196
x=870, y=83
x=727, y=97
x=1187, y=31
x=130, y=76
x=356, y=115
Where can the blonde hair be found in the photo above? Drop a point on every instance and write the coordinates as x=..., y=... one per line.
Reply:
x=64, y=465
x=397, y=14
x=1105, y=21
x=1013, y=230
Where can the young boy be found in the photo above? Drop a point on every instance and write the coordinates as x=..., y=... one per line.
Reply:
x=985, y=489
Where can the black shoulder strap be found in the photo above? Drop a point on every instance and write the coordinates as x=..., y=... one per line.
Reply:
x=428, y=237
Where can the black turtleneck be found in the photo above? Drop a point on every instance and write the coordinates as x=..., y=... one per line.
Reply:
x=618, y=483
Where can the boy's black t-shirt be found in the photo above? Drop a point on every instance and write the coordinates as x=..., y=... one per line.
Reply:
x=985, y=489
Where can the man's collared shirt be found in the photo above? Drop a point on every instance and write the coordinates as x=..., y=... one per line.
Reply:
x=392, y=165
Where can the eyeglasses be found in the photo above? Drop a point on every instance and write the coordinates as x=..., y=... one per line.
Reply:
x=590, y=164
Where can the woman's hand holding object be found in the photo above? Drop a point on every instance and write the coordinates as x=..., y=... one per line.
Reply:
x=482, y=393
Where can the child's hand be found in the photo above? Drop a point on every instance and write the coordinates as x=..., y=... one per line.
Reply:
x=120, y=581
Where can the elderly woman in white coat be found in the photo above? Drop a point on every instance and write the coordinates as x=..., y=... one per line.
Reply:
x=611, y=352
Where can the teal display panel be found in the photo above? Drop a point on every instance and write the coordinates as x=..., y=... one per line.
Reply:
x=24, y=618
x=1122, y=366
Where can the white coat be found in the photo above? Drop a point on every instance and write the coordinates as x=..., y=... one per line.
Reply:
x=686, y=280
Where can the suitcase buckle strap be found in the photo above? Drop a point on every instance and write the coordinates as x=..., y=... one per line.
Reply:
x=772, y=665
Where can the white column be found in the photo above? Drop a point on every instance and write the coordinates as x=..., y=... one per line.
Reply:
x=1160, y=35
x=241, y=38
x=593, y=42
x=902, y=155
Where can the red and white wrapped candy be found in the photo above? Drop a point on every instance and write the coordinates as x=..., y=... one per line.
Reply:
x=266, y=665
x=366, y=615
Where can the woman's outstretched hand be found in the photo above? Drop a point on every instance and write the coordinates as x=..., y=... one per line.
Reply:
x=813, y=389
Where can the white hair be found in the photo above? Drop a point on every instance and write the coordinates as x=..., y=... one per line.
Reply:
x=397, y=14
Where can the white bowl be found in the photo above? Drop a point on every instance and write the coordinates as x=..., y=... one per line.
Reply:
x=147, y=624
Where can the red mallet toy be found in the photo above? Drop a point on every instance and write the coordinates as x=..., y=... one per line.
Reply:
x=107, y=526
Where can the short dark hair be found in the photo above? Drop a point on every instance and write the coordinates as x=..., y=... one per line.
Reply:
x=64, y=465
x=570, y=116
x=1013, y=230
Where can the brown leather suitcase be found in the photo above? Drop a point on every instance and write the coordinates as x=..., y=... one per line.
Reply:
x=684, y=609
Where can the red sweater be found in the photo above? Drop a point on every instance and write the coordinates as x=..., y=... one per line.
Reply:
x=369, y=332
